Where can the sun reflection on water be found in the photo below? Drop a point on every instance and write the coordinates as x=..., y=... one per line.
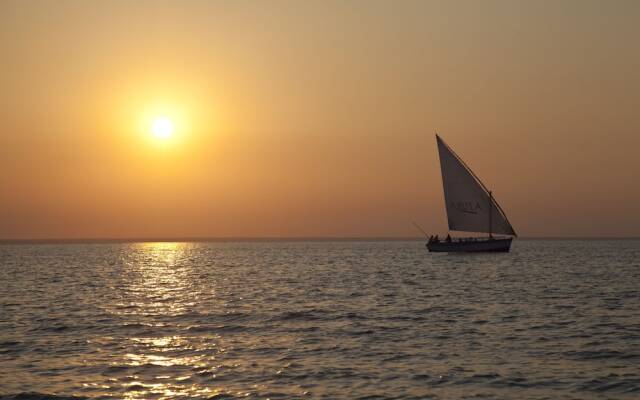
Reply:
x=161, y=281
x=183, y=323
x=160, y=288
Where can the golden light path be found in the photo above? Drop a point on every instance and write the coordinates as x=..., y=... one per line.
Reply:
x=161, y=285
x=174, y=345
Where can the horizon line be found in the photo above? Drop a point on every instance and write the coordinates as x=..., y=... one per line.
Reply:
x=228, y=239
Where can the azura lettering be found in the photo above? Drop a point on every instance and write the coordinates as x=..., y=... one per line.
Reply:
x=468, y=207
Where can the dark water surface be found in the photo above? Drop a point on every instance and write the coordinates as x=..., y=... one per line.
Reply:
x=334, y=320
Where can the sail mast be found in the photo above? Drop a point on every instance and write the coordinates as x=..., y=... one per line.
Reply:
x=490, y=203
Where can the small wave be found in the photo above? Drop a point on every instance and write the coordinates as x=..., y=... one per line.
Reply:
x=218, y=328
x=213, y=317
x=38, y=396
x=397, y=357
x=11, y=346
x=611, y=383
x=222, y=396
x=310, y=315
x=307, y=329
x=55, y=328
x=601, y=355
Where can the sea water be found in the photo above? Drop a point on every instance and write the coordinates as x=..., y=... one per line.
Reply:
x=334, y=320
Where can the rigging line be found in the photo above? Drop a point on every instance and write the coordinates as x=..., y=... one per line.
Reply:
x=420, y=229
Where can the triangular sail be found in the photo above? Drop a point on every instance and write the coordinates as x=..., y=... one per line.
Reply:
x=468, y=202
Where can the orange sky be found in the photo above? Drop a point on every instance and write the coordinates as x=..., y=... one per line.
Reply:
x=315, y=118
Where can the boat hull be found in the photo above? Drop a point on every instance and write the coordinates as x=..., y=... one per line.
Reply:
x=472, y=246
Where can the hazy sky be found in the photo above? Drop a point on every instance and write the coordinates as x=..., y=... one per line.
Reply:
x=301, y=118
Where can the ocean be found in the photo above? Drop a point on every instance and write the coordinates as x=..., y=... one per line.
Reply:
x=553, y=319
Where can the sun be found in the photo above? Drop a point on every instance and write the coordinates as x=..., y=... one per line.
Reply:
x=162, y=127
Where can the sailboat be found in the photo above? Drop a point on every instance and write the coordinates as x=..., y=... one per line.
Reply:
x=470, y=207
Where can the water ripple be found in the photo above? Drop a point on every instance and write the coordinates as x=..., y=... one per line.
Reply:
x=350, y=320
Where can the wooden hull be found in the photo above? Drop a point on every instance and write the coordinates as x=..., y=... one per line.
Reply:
x=471, y=246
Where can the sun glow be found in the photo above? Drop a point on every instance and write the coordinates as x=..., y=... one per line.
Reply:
x=162, y=128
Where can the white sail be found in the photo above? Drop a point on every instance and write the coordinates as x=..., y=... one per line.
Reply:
x=469, y=205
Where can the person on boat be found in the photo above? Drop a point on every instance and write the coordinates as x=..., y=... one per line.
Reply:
x=436, y=239
x=448, y=239
x=430, y=239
